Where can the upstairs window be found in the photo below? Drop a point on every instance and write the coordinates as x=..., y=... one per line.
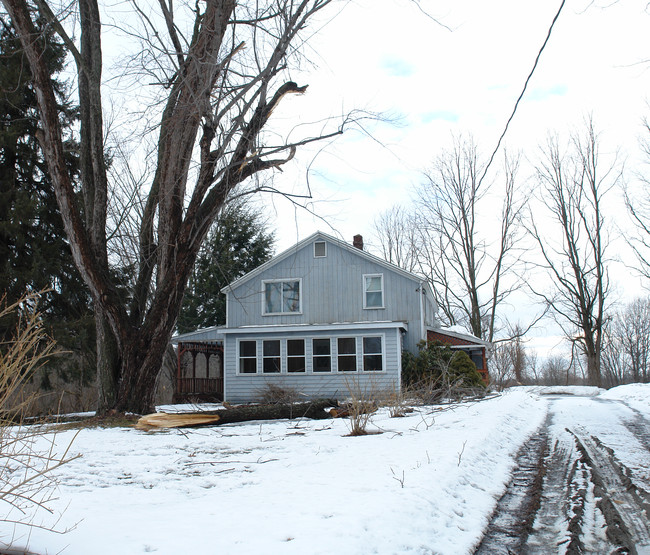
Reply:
x=373, y=291
x=282, y=296
x=320, y=249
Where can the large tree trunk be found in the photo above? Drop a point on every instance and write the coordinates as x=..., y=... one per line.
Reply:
x=108, y=365
x=593, y=370
x=214, y=116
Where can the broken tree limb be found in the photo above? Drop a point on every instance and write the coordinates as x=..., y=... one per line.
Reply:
x=242, y=413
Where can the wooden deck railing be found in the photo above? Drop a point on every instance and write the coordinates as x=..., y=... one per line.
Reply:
x=199, y=386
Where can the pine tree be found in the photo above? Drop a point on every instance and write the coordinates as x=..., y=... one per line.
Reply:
x=34, y=253
x=237, y=243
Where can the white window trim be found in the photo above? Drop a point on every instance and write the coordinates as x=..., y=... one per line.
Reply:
x=382, y=337
x=363, y=289
x=282, y=280
x=356, y=353
x=324, y=243
x=239, y=358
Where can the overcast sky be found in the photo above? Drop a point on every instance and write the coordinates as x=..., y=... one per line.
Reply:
x=386, y=56
x=458, y=76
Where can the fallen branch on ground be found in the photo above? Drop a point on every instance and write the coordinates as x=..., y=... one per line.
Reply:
x=242, y=413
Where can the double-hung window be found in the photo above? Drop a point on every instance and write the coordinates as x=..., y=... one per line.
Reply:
x=295, y=355
x=373, y=291
x=372, y=354
x=347, y=354
x=282, y=296
x=248, y=357
x=271, y=356
x=321, y=355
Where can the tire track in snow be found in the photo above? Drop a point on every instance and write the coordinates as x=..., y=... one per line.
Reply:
x=625, y=506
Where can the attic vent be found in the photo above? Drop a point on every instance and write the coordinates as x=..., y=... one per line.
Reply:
x=320, y=249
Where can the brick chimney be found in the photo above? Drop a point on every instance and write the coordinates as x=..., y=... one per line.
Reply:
x=357, y=241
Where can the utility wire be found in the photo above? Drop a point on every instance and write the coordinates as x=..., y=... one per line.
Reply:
x=539, y=54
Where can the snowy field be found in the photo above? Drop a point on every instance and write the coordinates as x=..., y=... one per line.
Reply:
x=425, y=483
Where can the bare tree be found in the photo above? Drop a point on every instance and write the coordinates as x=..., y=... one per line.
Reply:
x=218, y=83
x=573, y=241
x=626, y=352
x=638, y=207
x=397, y=232
x=471, y=271
x=511, y=361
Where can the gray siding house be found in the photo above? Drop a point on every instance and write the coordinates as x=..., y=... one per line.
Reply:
x=317, y=316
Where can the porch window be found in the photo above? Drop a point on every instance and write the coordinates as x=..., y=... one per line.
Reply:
x=373, y=291
x=271, y=356
x=373, y=359
x=247, y=357
x=295, y=355
x=282, y=296
x=321, y=355
x=347, y=354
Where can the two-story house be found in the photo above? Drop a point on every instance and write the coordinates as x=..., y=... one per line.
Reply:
x=311, y=318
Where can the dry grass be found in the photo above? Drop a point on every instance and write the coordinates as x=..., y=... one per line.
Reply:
x=28, y=454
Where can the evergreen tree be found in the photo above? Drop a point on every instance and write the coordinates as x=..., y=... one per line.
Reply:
x=34, y=253
x=237, y=243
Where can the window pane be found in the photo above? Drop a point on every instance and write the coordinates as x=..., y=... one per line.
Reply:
x=291, y=296
x=273, y=297
x=247, y=349
x=272, y=348
x=347, y=363
x=347, y=345
x=296, y=364
x=248, y=365
x=322, y=364
x=321, y=346
x=373, y=300
x=295, y=347
x=372, y=345
x=372, y=363
x=373, y=283
x=271, y=365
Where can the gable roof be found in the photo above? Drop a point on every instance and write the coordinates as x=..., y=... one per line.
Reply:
x=325, y=237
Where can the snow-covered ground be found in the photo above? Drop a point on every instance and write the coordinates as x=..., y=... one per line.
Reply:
x=426, y=483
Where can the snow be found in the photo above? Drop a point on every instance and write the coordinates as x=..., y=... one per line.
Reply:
x=579, y=390
x=426, y=483
x=636, y=395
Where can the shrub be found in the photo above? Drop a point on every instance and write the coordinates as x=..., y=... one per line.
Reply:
x=439, y=367
x=273, y=394
x=360, y=405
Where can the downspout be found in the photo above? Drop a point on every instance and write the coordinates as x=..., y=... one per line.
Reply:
x=422, y=332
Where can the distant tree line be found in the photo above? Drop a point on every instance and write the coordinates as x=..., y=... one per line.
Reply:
x=479, y=236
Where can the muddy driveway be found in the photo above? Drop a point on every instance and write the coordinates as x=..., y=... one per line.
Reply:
x=582, y=484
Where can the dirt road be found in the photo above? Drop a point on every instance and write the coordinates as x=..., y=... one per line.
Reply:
x=582, y=484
